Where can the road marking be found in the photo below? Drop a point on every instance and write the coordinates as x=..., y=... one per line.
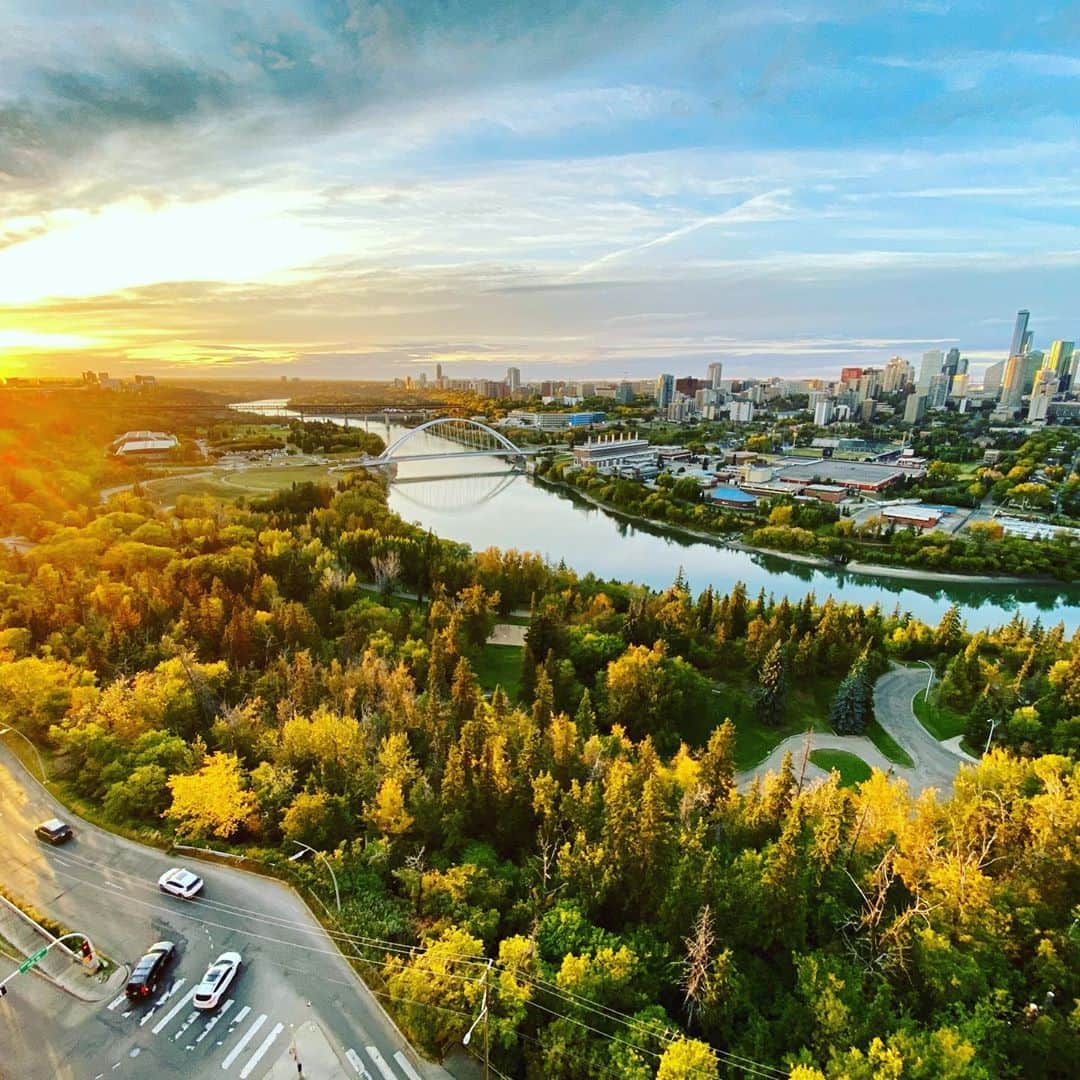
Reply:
x=238, y=1049
x=380, y=1063
x=192, y=1017
x=406, y=1068
x=167, y=1018
x=235, y=1024
x=160, y=1001
x=357, y=1064
x=211, y=1023
x=118, y=1002
x=112, y=884
x=265, y=1045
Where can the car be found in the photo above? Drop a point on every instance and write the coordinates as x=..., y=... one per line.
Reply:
x=146, y=975
x=54, y=831
x=218, y=978
x=182, y=883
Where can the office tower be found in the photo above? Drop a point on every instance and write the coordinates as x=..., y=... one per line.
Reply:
x=665, y=390
x=1020, y=330
x=1025, y=348
x=513, y=379
x=850, y=375
x=823, y=412
x=991, y=384
x=952, y=362
x=1033, y=362
x=1012, y=381
x=438, y=372
x=937, y=393
x=915, y=408
x=1059, y=360
x=714, y=373
x=962, y=366
x=898, y=373
x=931, y=366
x=959, y=387
x=624, y=394
x=1045, y=387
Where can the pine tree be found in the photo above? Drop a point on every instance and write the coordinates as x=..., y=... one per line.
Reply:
x=853, y=706
x=772, y=687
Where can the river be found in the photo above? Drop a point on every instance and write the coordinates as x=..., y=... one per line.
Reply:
x=508, y=510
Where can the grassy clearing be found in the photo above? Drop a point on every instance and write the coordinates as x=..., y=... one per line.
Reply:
x=942, y=723
x=888, y=745
x=231, y=484
x=500, y=665
x=852, y=769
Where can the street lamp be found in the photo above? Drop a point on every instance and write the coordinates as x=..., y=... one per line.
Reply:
x=333, y=877
x=989, y=738
x=30, y=742
x=35, y=958
x=930, y=678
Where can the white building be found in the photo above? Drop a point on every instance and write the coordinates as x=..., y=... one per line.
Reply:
x=741, y=412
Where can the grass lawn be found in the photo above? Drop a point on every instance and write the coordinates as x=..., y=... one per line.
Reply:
x=500, y=665
x=888, y=745
x=852, y=769
x=807, y=707
x=942, y=723
x=233, y=483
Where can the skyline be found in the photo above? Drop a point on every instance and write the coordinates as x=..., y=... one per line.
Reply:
x=354, y=189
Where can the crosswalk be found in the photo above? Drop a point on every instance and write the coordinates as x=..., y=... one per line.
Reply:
x=254, y=1038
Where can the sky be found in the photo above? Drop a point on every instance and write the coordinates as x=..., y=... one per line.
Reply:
x=364, y=188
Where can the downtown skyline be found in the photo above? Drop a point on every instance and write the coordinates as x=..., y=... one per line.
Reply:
x=356, y=190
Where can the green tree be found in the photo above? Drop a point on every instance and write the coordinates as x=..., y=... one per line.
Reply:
x=771, y=695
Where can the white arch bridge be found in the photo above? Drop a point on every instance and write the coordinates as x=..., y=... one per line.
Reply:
x=469, y=439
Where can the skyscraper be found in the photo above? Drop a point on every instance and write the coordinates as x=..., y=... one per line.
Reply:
x=992, y=380
x=1020, y=330
x=1059, y=361
x=931, y=366
x=1045, y=387
x=438, y=372
x=665, y=390
x=513, y=379
x=898, y=373
x=952, y=362
x=714, y=373
x=1012, y=381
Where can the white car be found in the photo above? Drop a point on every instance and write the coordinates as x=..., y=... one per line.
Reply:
x=218, y=978
x=182, y=883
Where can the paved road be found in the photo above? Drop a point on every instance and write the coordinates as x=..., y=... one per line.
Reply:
x=935, y=763
x=292, y=972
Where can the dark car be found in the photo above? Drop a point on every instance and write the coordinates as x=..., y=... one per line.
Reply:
x=54, y=831
x=146, y=975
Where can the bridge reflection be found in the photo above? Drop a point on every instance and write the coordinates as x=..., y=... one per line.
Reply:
x=453, y=493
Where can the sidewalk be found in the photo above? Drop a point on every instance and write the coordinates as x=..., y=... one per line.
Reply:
x=60, y=966
x=314, y=1053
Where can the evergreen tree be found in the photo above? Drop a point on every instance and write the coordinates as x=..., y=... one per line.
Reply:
x=853, y=706
x=771, y=692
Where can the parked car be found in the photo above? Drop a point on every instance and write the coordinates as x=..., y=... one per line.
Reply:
x=218, y=978
x=54, y=831
x=146, y=975
x=182, y=883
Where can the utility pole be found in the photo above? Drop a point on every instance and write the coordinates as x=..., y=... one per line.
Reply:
x=483, y=1017
x=306, y=848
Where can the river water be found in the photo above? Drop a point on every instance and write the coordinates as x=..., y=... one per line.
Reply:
x=493, y=507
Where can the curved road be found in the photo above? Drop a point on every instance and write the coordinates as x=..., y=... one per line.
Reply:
x=935, y=763
x=107, y=886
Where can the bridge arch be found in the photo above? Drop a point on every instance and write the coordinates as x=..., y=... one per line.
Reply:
x=457, y=422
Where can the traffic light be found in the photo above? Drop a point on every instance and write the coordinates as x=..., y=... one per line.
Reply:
x=87, y=951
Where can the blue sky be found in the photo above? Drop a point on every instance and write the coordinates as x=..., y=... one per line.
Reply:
x=356, y=188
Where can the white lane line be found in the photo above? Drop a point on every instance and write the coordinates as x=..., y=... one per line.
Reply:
x=238, y=1049
x=380, y=1063
x=192, y=1017
x=113, y=885
x=161, y=1001
x=212, y=1023
x=160, y=1026
x=118, y=1002
x=406, y=1067
x=357, y=1064
x=265, y=1045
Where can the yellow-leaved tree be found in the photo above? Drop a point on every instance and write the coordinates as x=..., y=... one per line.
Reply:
x=214, y=801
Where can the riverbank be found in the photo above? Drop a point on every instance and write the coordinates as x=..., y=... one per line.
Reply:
x=863, y=569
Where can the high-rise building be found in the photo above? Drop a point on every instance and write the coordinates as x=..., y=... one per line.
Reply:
x=438, y=372
x=823, y=412
x=915, y=408
x=937, y=393
x=714, y=373
x=1045, y=388
x=931, y=366
x=742, y=412
x=898, y=374
x=1059, y=360
x=850, y=374
x=1012, y=381
x=992, y=376
x=665, y=390
x=513, y=379
x=959, y=388
x=1020, y=331
x=624, y=394
x=1033, y=362
x=1025, y=347
x=952, y=362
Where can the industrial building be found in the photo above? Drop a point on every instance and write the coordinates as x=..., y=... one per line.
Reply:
x=853, y=475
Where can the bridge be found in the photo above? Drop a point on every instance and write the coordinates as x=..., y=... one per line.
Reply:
x=475, y=439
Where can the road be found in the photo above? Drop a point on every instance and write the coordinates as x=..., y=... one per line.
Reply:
x=935, y=763
x=107, y=886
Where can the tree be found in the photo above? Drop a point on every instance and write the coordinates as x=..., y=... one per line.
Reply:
x=853, y=706
x=687, y=1059
x=771, y=693
x=213, y=801
x=316, y=819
